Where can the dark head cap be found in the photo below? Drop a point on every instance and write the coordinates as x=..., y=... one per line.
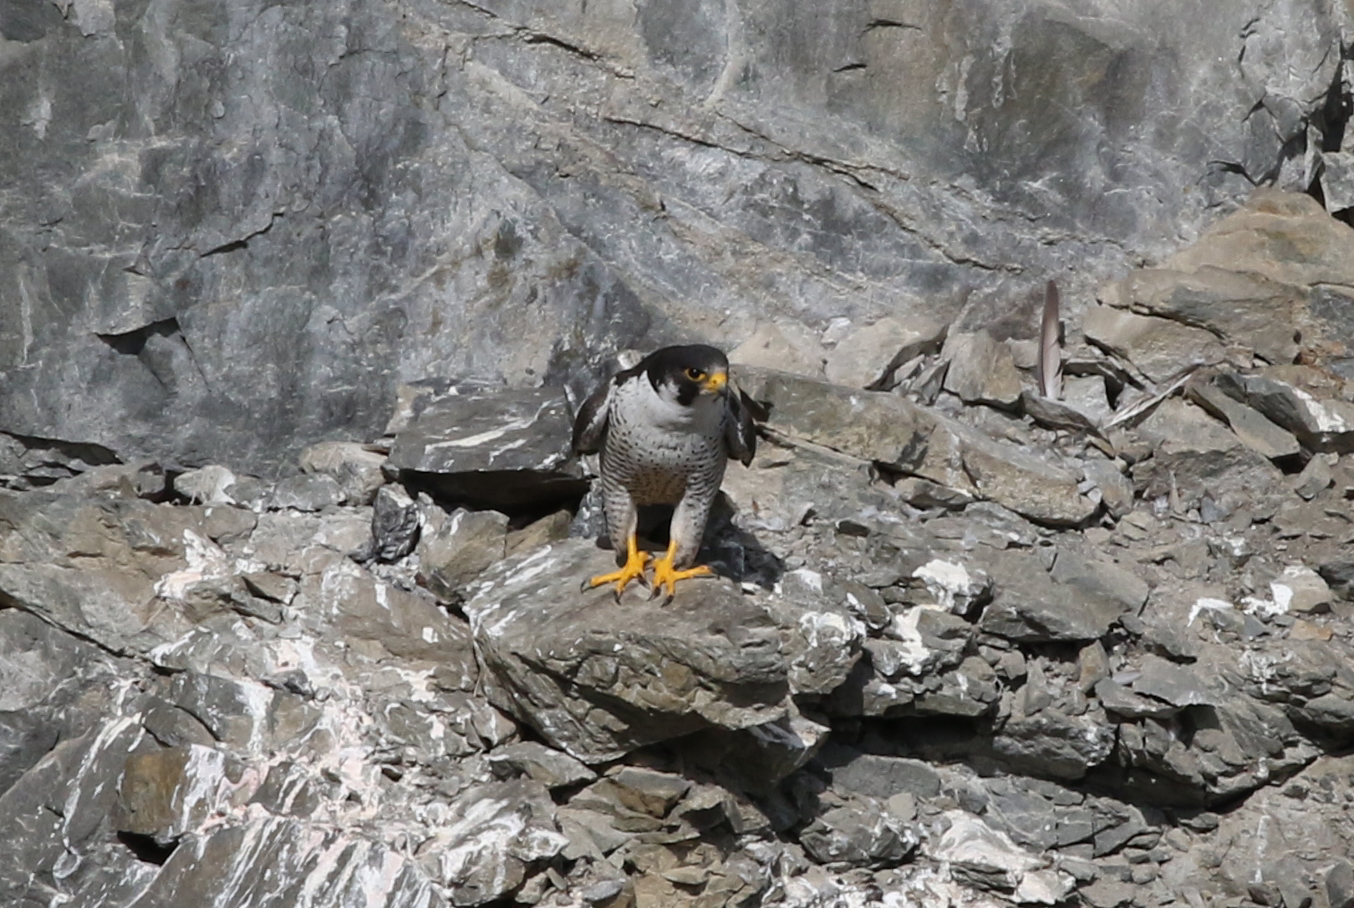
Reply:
x=690, y=370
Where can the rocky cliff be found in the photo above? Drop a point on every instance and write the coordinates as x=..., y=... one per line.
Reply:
x=231, y=229
x=297, y=300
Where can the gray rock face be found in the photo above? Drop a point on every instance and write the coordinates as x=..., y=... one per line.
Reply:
x=250, y=239
x=189, y=241
x=599, y=679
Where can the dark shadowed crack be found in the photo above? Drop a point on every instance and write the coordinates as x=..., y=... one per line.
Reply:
x=876, y=24
x=243, y=242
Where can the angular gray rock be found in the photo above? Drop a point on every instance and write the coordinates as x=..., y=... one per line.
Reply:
x=492, y=448
x=549, y=767
x=988, y=859
x=307, y=492
x=1196, y=459
x=1158, y=347
x=597, y=678
x=981, y=370
x=1030, y=605
x=858, y=833
x=867, y=356
x=877, y=776
x=821, y=638
x=455, y=548
x=1303, y=400
x=491, y=834
x=356, y=468
x=1250, y=426
x=891, y=431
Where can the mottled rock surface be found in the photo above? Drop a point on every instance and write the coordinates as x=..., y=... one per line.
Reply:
x=297, y=302
x=241, y=230
x=564, y=661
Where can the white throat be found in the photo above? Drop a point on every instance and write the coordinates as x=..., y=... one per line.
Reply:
x=703, y=416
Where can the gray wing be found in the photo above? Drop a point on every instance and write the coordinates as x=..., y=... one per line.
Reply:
x=740, y=426
x=591, y=422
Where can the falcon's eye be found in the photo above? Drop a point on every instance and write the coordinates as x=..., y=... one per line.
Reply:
x=695, y=374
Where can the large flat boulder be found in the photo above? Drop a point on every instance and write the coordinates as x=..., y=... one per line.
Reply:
x=598, y=678
x=504, y=448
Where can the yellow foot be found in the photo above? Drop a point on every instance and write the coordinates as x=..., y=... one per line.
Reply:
x=633, y=569
x=665, y=575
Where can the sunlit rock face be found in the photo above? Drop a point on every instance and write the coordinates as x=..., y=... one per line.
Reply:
x=231, y=229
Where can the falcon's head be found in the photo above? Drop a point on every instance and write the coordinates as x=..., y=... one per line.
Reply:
x=684, y=374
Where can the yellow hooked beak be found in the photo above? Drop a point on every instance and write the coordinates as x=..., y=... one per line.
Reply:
x=716, y=382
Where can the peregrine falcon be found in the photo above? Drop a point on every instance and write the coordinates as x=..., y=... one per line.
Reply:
x=666, y=430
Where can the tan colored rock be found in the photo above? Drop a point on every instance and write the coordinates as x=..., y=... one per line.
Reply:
x=891, y=430
x=789, y=347
x=166, y=792
x=869, y=353
x=982, y=370
x=356, y=469
x=1286, y=237
x=1267, y=277
x=1161, y=348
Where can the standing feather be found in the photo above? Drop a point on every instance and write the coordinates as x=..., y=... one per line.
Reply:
x=1050, y=347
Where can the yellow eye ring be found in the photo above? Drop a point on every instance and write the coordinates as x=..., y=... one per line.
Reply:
x=695, y=374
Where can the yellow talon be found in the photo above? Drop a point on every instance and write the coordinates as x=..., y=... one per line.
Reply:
x=665, y=575
x=633, y=568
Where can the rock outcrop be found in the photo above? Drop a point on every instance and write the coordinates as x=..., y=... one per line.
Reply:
x=952, y=654
x=297, y=302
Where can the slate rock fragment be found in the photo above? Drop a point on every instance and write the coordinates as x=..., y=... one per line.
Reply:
x=454, y=548
x=858, y=832
x=981, y=370
x=506, y=449
x=357, y=468
x=395, y=527
x=1030, y=605
x=1302, y=399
